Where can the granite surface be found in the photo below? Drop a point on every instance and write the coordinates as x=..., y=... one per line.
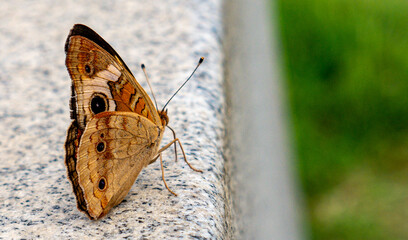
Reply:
x=265, y=195
x=36, y=199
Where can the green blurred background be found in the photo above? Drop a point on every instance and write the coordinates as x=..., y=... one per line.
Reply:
x=346, y=64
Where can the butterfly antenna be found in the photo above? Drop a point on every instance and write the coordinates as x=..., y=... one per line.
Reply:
x=148, y=82
x=199, y=63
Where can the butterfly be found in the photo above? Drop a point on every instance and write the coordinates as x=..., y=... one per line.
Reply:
x=116, y=129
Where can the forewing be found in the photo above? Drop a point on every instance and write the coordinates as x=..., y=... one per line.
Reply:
x=101, y=80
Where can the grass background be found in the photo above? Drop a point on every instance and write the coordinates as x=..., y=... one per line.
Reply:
x=346, y=63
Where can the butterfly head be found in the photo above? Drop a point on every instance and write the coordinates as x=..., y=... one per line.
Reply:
x=163, y=117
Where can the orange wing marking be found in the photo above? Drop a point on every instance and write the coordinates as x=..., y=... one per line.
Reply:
x=140, y=108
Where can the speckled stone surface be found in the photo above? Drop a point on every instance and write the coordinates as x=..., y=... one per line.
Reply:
x=36, y=199
x=265, y=193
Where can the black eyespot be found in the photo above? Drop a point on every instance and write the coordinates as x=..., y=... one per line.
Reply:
x=98, y=104
x=102, y=184
x=102, y=135
x=87, y=69
x=100, y=147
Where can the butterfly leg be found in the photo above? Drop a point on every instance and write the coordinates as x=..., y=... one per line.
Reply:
x=182, y=150
x=174, y=137
x=164, y=181
x=153, y=160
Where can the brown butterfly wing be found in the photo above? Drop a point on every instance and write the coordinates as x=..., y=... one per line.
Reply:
x=71, y=148
x=101, y=80
x=114, y=148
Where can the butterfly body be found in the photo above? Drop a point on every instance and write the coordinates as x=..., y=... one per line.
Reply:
x=116, y=130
